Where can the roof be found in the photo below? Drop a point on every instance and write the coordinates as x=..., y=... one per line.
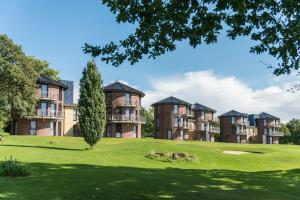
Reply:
x=173, y=101
x=200, y=107
x=264, y=115
x=48, y=80
x=234, y=113
x=120, y=87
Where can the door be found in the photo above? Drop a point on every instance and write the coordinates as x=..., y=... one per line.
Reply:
x=118, y=130
x=271, y=140
x=108, y=130
x=52, y=128
x=264, y=139
x=127, y=114
x=169, y=135
x=238, y=139
x=181, y=134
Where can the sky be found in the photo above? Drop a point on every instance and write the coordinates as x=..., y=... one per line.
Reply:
x=223, y=76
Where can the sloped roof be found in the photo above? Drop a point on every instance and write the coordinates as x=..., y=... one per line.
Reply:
x=234, y=113
x=200, y=107
x=173, y=101
x=264, y=115
x=48, y=80
x=120, y=87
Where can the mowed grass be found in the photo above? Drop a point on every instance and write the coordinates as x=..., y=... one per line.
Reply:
x=118, y=169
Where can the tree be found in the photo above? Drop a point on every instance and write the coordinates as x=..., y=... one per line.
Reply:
x=91, y=105
x=160, y=25
x=294, y=130
x=42, y=68
x=18, y=82
x=148, y=127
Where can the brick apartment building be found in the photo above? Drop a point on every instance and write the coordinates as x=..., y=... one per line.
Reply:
x=50, y=116
x=239, y=127
x=123, y=107
x=205, y=121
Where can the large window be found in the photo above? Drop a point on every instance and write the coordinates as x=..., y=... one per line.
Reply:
x=127, y=98
x=33, y=127
x=176, y=109
x=44, y=109
x=176, y=122
x=75, y=114
x=52, y=109
x=44, y=90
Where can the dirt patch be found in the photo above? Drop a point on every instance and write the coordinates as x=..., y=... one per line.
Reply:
x=235, y=152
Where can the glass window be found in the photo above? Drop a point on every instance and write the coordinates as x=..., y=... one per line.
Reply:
x=52, y=109
x=44, y=90
x=176, y=121
x=75, y=114
x=157, y=122
x=202, y=115
x=176, y=111
x=265, y=122
x=44, y=108
x=233, y=120
x=60, y=94
x=108, y=98
x=127, y=98
x=33, y=125
x=202, y=126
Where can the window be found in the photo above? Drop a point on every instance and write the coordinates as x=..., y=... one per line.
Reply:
x=60, y=94
x=44, y=108
x=108, y=98
x=157, y=110
x=202, y=126
x=202, y=115
x=176, y=122
x=44, y=90
x=176, y=111
x=33, y=127
x=233, y=120
x=127, y=114
x=52, y=127
x=157, y=122
x=265, y=131
x=75, y=114
x=136, y=115
x=265, y=122
x=127, y=98
x=157, y=133
x=52, y=109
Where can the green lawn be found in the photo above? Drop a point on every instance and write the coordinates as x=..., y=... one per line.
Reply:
x=118, y=169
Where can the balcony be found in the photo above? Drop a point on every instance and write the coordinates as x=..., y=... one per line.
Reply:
x=241, y=132
x=43, y=114
x=124, y=103
x=214, y=130
x=276, y=125
x=119, y=118
x=49, y=96
x=187, y=126
x=188, y=113
x=276, y=133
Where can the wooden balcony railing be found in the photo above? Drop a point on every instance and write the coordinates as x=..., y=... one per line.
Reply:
x=47, y=114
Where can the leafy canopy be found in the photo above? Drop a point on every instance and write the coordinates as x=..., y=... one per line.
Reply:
x=273, y=25
x=91, y=104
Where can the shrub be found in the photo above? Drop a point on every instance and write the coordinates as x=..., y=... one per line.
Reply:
x=13, y=168
x=170, y=157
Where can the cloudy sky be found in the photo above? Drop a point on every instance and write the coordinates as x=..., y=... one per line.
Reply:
x=223, y=76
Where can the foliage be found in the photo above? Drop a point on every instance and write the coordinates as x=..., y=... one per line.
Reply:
x=170, y=157
x=42, y=68
x=13, y=168
x=294, y=129
x=91, y=104
x=160, y=25
x=148, y=127
x=18, y=82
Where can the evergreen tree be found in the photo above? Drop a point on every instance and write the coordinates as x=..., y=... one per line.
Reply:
x=148, y=127
x=91, y=105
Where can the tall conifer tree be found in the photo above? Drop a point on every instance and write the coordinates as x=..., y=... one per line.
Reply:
x=91, y=105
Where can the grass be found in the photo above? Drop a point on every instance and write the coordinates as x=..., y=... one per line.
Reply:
x=118, y=169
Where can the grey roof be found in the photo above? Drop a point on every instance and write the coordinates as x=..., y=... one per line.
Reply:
x=48, y=80
x=234, y=113
x=200, y=107
x=120, y=87
x=173, y=101
x=264, y=115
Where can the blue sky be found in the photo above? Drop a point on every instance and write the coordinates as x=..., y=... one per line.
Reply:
x=56, y=30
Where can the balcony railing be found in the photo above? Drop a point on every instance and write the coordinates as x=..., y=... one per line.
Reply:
x=123, y=103
x=125, y=118
x=277, y=125
x=214, y=130
x=47, y=114
x=189, y=125
x=49, y=95
x=189, y=113
x=276, y=133
x=241, y=132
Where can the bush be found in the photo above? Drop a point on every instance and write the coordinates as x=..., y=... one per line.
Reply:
x=3, y=134
x=13, y=168
x=170, y=157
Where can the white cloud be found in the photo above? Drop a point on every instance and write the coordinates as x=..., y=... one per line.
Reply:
x=226, y=93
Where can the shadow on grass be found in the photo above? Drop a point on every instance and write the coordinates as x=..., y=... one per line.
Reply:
x=72, y=181
x=41, y=147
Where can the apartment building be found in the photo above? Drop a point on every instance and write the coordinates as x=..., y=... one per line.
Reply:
x=49, y=115
x=123, y=107
x=205, y=128
x=234, y=127
x=268, y=129
x=173, y=119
